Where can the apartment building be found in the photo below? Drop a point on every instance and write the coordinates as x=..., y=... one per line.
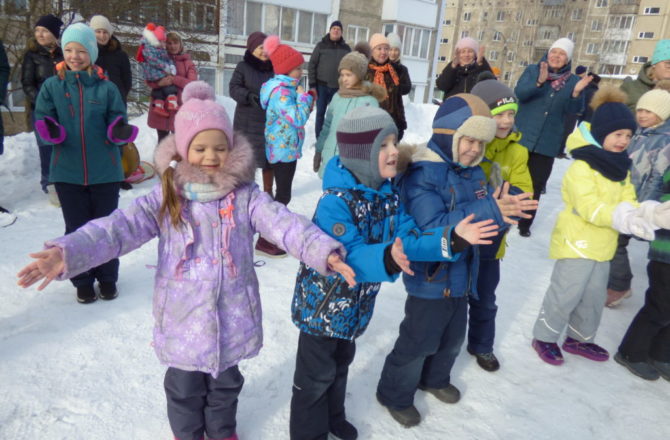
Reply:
x=612, y=37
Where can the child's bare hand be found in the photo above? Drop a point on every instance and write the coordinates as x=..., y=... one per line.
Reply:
x=398, y=255
x=475, y=233
x=513, y=206
x=49, y=264
x=336, y=264
x=300, y=90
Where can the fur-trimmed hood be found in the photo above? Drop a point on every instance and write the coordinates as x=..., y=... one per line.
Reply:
x=239, y=169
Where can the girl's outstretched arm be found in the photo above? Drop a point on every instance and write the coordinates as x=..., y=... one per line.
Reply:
x=48, y=265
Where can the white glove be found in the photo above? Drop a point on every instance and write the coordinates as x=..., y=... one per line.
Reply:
x=626, y=220
x=173, y=69
x=662, y=215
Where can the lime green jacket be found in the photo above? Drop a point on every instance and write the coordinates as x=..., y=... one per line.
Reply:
x=513, y=160
x=583, y=229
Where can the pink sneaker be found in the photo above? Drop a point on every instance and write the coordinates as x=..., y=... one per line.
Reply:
x=548, y=352
x=588, y=350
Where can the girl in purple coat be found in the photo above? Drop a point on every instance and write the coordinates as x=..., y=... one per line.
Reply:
x=206, y=301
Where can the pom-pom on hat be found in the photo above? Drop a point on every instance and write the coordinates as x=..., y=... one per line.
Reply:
x=154, y=34
x=199, y=112
x=566, y=44
x=81, y=33
x=611, y=113
x=360, y=134
x=468, y=43
x=284, y=58
x=496, y=95
x=656, y=101
x=661, y=52
x=51, y=22
x=101, y=22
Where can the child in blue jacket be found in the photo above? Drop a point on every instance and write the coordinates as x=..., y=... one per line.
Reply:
x=83, y=115
x=361, y=209
x=287, y=108
x=442, y=186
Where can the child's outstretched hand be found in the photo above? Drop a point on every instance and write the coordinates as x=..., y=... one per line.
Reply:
x=49, y=265
x=475, y=233
x=336, y=264
x=513, y=206
x=399, y=256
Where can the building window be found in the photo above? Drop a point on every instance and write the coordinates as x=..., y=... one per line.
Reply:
x=493, y=55
x=197, y=15
x=514, y=36
x=497, y=36
x=467, y=16
x=620, y=22
x=447, y=22
x=464, y=34
x=556, y=13
x=601, y=3
x=615, y=46
x=523, y=63
x=510, y=57
x=519, y=15
x=639, y=59
x=416, y=42
x=592, y=48
x=577, y=14
x=507, y=76
x=444, y=40
x=571, y=36
x=357, y=33
x=531, y=22
x=645, y=35
x=500, y=16
x=610, y=69
x=292, y=25
x=528, y=43
x=596, y=25
x=442, y=58
x=480, y=35
x=652, y=11
x=546, y=35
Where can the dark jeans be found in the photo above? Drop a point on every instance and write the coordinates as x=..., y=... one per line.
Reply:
x=482, y=322
x=324, y=95
x=80, y=204
x=430, y=339
x=621, y=275
x=319, y=385
x=198, y=403
x=540, y=169
x=283, y=174
x=164, y=92
x=45, y=156
x=648, y=336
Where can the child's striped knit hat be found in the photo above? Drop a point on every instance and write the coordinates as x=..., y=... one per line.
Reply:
x=359, y=138
x=496, y=95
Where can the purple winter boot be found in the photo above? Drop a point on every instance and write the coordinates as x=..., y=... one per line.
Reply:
x=588, y=350
x=548, y=352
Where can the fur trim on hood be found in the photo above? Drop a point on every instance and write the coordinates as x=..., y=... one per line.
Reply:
x=408, y=153
x=239, y=169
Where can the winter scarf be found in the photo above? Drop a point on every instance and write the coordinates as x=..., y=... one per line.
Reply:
x=379, y=73
x=613, y=166
x=202, y=192
x=366, y=88
x=558, y=79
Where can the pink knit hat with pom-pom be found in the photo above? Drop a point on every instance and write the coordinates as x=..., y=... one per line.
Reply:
x=284, y=58
x=199, y=112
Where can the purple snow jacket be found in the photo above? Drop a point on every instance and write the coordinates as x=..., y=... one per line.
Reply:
x=206, y=303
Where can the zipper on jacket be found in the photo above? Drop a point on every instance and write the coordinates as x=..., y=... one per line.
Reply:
x=326, y=298
x=81, y=128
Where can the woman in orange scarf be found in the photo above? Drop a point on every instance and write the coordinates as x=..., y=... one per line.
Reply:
x=381, y=71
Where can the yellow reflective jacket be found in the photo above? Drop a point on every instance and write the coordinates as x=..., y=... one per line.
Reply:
x=583, y=229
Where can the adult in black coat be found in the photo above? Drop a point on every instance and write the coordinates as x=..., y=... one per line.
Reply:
x=5, y=217
x=111, y=56
x=39, y=64
x=460, y=76
x=405, y=81
x=245, y=88
x=323, y=70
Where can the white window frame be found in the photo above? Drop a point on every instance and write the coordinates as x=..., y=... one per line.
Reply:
x=596, y=26
x=358, y=30
x=497, y=36
x=652, y=11
x=592, y=48
x=500, y=16
x=493, y=55
x=571, y=36
x=576, y=14
x=465, y=33
x=640, y=59
x=645, y=36
x=467, y=16
x=601, y=3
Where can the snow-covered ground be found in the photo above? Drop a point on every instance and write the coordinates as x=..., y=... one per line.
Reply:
x=71, y=371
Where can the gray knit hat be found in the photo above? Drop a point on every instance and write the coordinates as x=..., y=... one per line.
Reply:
x=355, y=62
x=359, y=138
x=496, y=95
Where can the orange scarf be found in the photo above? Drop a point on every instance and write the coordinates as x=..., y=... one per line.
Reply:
x=379, y=74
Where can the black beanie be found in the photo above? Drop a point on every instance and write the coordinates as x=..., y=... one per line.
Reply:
x=610, y=117
x=336, y=23
x=52, y=23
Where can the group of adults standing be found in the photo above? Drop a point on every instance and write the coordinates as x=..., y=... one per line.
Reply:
x=44, y=53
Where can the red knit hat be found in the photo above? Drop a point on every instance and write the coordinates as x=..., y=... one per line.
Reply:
x=284, y=58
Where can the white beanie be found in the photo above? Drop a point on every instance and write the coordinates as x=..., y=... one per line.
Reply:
x=394, y=40
x=566, y=44
x=101, y=22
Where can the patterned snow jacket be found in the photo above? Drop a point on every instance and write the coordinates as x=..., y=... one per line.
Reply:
x=650, y=152
x=156, y=63
x=285, y=118
x=366, y=222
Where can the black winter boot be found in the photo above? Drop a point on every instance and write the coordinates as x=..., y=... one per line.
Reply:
x=86, y=294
